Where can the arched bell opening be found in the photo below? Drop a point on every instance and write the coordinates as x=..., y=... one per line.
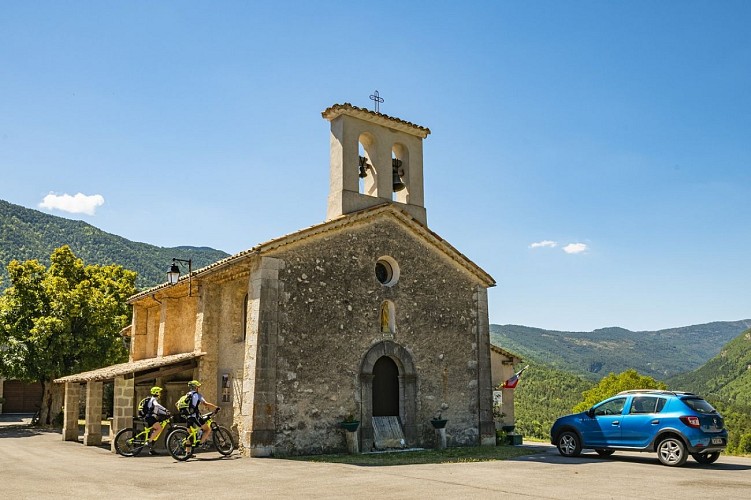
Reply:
x=367, y=173
x=388, y=387
x=400, y=172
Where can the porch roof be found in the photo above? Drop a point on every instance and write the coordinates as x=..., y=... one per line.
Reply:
x=150, y=366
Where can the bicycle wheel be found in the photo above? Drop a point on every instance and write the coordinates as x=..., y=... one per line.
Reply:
x=223, y=441
x=127, y=444
x=175, y=444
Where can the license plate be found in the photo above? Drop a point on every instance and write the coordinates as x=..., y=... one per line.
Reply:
x=716, y=440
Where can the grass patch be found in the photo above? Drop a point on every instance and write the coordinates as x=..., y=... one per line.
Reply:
x=413, y=457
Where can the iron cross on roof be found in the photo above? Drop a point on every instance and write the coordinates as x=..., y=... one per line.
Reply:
x=377, y=100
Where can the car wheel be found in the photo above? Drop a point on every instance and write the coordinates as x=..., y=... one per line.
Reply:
x=604, y=453
x=569, y=444
x=671, y=451
x=706, y=458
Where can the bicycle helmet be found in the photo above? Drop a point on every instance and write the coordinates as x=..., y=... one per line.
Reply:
x=156, y=390
x=194, y=383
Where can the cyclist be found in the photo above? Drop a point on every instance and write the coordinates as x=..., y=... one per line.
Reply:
x=194, y=399
x=153, y=415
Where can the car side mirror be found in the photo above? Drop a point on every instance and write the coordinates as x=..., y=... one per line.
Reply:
x=591, y=413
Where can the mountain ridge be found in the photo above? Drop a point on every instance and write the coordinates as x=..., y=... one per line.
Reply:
x=27, y=234
x=659, y=353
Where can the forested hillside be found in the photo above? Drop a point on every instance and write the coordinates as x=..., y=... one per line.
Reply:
x=725, y=381
x=30, y=234
x=726, y=377
x=544, y=394
x=659, y=354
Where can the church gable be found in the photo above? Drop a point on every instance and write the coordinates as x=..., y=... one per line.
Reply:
x=401, y=225
x=337, y=305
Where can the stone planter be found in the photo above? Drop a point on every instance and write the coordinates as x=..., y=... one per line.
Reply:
x=350, y=426
x=438, y=423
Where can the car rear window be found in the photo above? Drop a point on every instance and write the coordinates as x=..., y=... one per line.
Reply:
x=699, y=405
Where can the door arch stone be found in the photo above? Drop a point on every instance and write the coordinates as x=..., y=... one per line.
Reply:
x=407, y=390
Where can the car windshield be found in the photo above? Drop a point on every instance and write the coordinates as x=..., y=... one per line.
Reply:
x=699, y=405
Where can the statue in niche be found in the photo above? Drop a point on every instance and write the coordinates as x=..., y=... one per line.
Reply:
x=387, y=320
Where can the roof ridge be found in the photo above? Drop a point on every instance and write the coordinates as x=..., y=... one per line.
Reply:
x=337, y=109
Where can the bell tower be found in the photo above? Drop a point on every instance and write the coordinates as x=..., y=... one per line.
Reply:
x=375, y=159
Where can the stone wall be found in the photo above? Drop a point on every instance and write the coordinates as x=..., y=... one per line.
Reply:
x=330, y=317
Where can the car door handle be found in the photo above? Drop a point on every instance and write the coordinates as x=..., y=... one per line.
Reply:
x=616, y=423
x=655, y=421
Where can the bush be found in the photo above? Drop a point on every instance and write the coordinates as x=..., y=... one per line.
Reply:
x=744, y=445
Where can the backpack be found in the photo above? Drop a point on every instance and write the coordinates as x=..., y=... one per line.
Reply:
x=145, y=407
x=185, y=403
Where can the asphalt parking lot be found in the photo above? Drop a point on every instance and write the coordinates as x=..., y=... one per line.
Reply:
x=38, y=464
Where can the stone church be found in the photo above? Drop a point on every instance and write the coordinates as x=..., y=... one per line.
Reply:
x=368, y=315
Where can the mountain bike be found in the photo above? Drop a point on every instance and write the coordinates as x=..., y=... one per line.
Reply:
x=180, y=440
x=129, y=442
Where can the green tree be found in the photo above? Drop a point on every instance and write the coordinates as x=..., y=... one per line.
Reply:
x=613, y=384
x=62, y=320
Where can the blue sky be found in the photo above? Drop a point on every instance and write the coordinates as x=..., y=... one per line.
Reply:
x=621, y=128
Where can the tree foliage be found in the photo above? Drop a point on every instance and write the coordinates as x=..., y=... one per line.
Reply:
x=544, y=394
x=613, y=384
x=63, y=319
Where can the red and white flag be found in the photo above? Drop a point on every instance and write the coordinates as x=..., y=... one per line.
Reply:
x=511, y=383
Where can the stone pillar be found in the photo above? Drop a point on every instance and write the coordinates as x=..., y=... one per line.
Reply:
x=92, y=435
x=484, y=376
x=353, y=444
x=70, y=411
x=259, y=388
x=441, y=437
x=122, y=415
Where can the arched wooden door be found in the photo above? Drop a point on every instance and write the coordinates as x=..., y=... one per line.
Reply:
x=385, y=388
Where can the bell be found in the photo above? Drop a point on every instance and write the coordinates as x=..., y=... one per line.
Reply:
x=363, y=165
x=396, y=177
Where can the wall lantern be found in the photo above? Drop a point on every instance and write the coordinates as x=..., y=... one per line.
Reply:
x=173, y=273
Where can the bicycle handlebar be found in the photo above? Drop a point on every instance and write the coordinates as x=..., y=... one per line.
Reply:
x=211, y=413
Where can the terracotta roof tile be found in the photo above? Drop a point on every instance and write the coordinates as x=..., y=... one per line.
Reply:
x=112, y=371
x=365, y=114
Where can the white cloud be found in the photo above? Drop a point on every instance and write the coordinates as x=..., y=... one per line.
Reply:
x=545, y=243
x=78, y=204
x=575, y=248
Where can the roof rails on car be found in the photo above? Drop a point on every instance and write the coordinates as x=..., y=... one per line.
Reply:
x=656, y=391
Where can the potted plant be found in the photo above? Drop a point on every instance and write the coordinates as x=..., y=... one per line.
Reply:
x=350, y=424
x=437, y=422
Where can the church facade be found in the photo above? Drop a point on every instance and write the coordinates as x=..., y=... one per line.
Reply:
x=366, y=316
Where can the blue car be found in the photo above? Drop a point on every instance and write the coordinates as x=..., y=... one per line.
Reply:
x=672, y=424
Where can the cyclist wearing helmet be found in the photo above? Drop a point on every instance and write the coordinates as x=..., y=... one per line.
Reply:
x=194, y=417
x=155, y=414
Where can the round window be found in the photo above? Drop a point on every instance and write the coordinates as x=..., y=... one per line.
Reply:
x=387, y=271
